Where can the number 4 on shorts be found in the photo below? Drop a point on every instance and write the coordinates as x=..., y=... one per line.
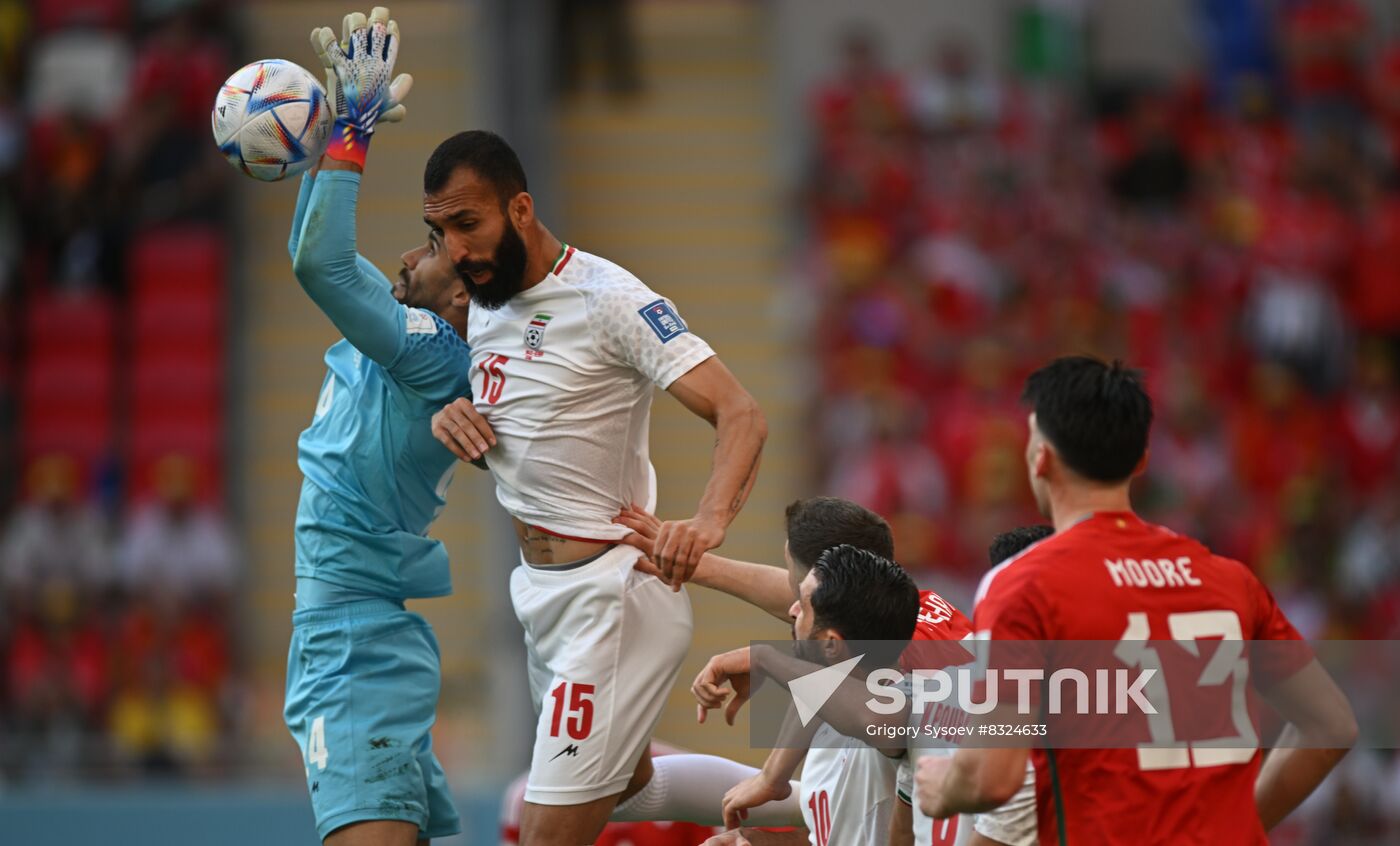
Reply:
x=316, y=752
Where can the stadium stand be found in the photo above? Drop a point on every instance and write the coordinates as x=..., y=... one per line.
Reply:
x=1234, y=235
x=117, y=652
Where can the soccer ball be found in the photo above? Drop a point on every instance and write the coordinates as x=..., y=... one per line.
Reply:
x=271, y=119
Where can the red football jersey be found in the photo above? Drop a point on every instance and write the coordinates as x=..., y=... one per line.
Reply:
x=937, y=635
x=1113, y=577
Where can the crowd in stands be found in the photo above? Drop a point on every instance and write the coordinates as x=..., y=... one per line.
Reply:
x=1234, y=233
x=117, y=566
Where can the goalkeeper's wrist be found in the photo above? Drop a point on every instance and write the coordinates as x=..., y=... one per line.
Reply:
x=348, y=144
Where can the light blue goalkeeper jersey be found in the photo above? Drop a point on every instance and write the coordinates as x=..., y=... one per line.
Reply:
x=375, y=477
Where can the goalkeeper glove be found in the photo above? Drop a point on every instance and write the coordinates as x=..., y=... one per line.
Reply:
x=358, y=71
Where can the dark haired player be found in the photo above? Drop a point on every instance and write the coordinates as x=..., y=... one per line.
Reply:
x=567, y=348
x=1106, y=575
x=813, y=526
x=363, y=673
x=849, y=594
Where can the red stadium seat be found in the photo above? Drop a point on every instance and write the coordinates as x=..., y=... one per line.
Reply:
x=50, y=15
x=174, y=383
x=178, y=259
x=86, y=438
x=69, y=322
x=72, y=383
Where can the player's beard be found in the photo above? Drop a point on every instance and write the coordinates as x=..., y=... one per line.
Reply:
x=809, y=650
x=507, y=269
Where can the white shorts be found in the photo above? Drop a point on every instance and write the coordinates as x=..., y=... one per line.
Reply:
x=605, y=644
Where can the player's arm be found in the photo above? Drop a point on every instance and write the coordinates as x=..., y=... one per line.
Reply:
x=712, y=393
x=976, y=780
x=760, y=585
x=353, y=294
x=847, y=709
x=902, y=824
x=970, y=781
x=1322, y=727
x=772, y=783
x=759, y=837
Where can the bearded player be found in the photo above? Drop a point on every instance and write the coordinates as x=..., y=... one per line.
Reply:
x=566, y=350
x=363, y=673
x=1089, y=426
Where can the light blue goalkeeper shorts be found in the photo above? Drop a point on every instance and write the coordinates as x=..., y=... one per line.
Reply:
x=363, y=680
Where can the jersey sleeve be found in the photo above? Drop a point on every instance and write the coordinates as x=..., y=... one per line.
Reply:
x=643, y=330
x=299, y=214
x=433, y=359
x=351, y=291
x=1278, y=650
x=1008, y=607
x=904, y=780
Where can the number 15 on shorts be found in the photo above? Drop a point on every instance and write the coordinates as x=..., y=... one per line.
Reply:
x=573, y=710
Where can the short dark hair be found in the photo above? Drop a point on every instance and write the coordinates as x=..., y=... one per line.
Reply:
x=485, y=153
x=863, y=596
x=1013, y=542
x=817, y=524
x=1096, y=415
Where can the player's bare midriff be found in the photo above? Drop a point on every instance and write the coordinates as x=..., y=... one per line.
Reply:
x=547, y=549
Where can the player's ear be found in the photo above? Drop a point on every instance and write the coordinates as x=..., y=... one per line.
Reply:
x=461, y=297
x=1040, y=460
x=833, y=645
x=521, y=209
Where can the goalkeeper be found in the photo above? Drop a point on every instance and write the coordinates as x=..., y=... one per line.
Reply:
x=363, y=673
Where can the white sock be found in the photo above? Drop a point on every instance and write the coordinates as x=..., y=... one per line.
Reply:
x=691, y=788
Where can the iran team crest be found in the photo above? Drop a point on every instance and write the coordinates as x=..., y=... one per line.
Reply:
x=534, y=335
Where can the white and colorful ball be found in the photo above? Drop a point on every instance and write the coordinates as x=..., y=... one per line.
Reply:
x=271, y=119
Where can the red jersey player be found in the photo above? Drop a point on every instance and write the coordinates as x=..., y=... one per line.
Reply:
x=1106, y=575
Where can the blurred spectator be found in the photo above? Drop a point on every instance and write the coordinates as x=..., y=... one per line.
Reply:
x=112, y=664
x=175, y=544
x=1323, y=42
x=954, y=92
x=1153, y=173
x=55, y=536
x=1242, y=248
x=164, y=162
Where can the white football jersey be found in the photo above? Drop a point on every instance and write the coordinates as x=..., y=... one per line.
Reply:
x=848, y=791
x=563, y=372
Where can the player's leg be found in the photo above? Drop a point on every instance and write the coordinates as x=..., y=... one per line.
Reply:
x=689, y=787
x=376, y=833
x=363, y=682
x=548, y=825
x=613, y=641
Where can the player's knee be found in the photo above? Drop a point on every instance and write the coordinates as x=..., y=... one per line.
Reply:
x=641, y=776
x=564, y=825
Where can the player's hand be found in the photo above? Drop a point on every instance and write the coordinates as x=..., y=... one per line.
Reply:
x=362, y=64
x=708, y=688
x=733, y=837
x=462, y=429
x=644, y=526
x=750, y=793
x=679, y=545
x=929, y=777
